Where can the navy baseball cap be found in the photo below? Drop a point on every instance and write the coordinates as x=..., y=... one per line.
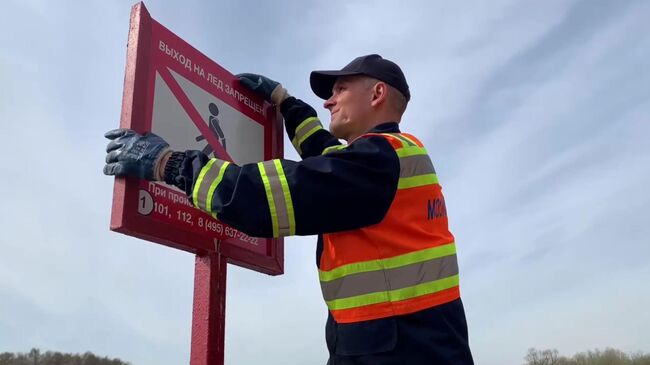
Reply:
x=371, y=65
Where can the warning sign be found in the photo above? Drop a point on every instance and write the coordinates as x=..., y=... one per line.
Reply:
x=177, y=92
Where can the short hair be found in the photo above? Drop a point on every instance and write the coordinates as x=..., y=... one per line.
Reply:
x=396, y=99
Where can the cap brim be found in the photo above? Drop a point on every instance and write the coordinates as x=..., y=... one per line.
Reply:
x=322, y=81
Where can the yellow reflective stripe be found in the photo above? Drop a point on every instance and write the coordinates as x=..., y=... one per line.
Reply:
x=358, y=301
x=410, y=151
x=304, y=123
x=213, y=187
x=199, y=181
x=389, y=263
x=300, y=137
x=308, y=134
x=287, y=197
x=409, y=139
x=415, y=181
x=269, y=197
x=333, y=148
x=394, y=295
x=405, y=141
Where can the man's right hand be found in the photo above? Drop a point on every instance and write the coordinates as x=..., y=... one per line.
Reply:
x=271, y=91
x=132, y=154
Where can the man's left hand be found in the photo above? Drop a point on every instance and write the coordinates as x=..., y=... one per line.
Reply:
x=132, y=154
x=269, y=89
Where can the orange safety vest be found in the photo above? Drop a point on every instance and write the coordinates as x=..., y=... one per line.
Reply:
x=405, y=263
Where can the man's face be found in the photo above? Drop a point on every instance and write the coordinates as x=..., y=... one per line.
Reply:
x=350, y=106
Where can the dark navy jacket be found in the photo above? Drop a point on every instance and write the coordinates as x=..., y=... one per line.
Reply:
x=347, y=189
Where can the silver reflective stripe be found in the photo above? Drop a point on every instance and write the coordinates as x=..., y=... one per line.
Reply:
x=415, y=165
x=391, y=279
x=308, y=127
x=283, y=208
x=208, y=179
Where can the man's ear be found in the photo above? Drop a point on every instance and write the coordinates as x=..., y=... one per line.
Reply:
x=379, y=93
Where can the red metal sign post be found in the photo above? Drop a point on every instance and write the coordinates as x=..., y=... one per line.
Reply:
x=177, y=92
x=209, y=312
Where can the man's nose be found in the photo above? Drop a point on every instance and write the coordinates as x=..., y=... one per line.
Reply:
x=329, y=103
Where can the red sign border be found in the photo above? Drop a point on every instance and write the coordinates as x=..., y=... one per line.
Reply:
x=124, y=216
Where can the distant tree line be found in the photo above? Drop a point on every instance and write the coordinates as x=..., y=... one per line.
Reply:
x=596, y=357
x=36, y=357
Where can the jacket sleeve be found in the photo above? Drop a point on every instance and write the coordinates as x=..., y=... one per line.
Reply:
x=344, y=189
x=304, y=129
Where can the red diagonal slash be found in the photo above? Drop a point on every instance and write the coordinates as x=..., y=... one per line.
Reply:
x=193, y=114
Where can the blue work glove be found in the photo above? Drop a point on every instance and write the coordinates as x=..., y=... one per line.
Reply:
x=270, y=90
x=131, y=154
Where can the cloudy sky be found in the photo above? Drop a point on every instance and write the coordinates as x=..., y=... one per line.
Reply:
x=536, y=114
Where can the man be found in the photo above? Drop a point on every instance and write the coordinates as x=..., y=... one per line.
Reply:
x=386, y=259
